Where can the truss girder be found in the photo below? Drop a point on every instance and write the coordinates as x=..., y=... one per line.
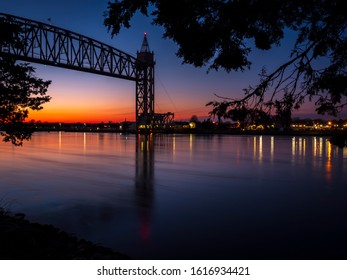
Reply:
x=164, y=120
x=51, y=45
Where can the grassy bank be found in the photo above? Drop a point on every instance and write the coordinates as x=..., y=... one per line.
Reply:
x=21, y=239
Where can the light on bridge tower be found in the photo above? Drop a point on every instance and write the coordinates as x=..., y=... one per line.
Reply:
x=145, y=86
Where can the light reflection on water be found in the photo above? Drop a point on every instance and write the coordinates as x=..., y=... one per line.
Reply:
x=184, y=196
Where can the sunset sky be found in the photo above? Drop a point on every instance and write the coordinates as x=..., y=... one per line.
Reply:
x=182, y=89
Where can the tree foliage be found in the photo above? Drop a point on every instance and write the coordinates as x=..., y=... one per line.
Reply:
x=20, y=89
x=194, y=119
x=221, y=35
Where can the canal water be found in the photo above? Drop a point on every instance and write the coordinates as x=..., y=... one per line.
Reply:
x=184, y=196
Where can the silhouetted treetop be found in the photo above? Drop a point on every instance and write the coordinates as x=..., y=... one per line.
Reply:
x=221, y=35
x=218, y=30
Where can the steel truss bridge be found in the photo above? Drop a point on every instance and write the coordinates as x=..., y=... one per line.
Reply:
x=50, y=45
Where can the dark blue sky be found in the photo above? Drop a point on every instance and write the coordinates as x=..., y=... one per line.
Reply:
x=181, y=89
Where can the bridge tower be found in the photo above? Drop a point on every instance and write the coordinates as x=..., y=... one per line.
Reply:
x=145, y=86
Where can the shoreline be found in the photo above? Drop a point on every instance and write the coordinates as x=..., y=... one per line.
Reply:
x=208, y=132
x=21, y=239
x=336, y=137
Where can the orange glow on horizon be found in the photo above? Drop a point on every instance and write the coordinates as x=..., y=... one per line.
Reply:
x=88, y=108
x=68, y=116
x=96, y=110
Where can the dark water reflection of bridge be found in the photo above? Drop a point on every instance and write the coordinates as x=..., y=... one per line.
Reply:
x=144, y=181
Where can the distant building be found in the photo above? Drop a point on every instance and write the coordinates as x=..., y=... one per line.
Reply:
x=127, y=126
x=181, y=125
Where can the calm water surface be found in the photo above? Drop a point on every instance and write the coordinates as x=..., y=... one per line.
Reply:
x=185, y=196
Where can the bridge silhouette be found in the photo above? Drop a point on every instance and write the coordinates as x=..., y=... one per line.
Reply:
x=50, y=45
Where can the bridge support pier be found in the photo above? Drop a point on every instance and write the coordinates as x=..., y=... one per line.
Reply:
x=145, y=87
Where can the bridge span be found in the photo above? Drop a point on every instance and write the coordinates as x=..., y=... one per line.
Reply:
x=51, y=45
